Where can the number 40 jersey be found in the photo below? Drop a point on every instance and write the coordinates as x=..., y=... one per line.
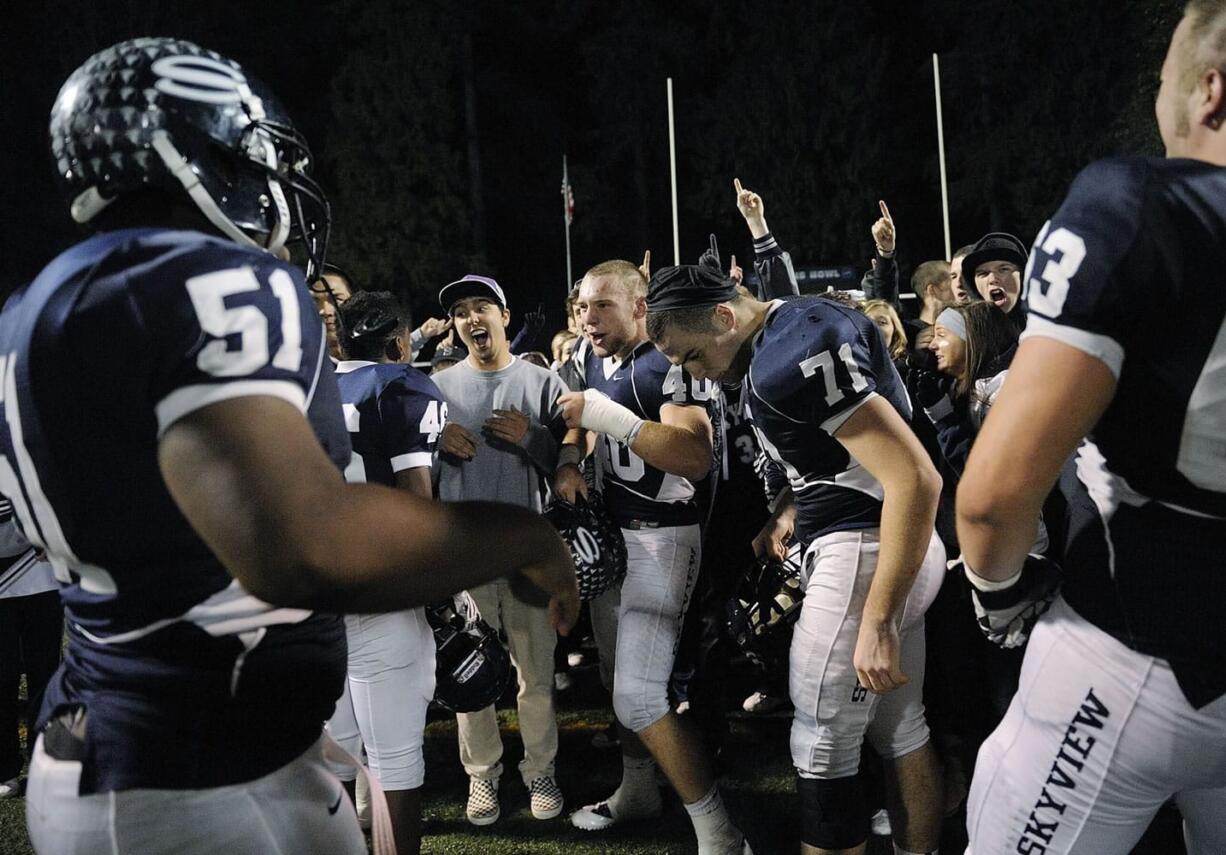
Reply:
x=189, y=681
x=1130, y=271
x=644, y=382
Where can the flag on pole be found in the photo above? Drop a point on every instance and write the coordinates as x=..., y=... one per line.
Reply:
x=568, y=196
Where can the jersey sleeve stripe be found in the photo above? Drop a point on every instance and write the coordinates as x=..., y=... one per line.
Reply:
x=412, y=460
x=1104, y=348
x=188, y=399
x=836, y=421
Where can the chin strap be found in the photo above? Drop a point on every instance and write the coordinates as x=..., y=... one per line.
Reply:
x=182, y=170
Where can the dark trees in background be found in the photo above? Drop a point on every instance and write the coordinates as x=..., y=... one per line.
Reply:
x=439, y=127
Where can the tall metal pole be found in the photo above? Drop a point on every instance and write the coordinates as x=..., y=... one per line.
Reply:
x=672, y=164
x=566, y=218
x=936, y=82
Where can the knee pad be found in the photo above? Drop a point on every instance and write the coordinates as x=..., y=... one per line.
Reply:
x=639, y=705
x=834, y=813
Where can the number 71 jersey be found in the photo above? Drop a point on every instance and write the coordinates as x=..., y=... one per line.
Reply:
x=644, y=382
x=814, y=363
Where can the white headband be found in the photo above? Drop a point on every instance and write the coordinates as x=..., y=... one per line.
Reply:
x=953, y=321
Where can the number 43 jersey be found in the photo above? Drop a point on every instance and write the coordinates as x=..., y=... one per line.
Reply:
x=644, y=382
x=1130, y=270
x=815, y=363
x=188, y=680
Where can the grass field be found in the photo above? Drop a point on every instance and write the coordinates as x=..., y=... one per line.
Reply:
x=757, y=783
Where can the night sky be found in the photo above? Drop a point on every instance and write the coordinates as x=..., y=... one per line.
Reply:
x=439, y=128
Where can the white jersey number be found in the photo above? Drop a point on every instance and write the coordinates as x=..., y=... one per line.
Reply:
x=626, y=465
x=249, y=324
x=824, y=362
x=1046, y=295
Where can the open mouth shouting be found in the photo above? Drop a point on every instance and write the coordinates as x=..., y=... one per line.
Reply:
x=998, y=297
x=480, y=337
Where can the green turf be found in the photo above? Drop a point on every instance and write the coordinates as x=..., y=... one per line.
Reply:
x=757, y=784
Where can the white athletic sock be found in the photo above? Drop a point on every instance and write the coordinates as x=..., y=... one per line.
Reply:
x=898, y=850
x=638, y=793
x=712, y=825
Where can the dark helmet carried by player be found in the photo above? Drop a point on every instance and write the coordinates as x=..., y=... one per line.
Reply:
x=471, y=667
x=164, y=114
x=760, y=615
x=595, y=541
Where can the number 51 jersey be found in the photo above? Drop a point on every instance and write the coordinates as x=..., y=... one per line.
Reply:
x=189, y=681
x=814, y=363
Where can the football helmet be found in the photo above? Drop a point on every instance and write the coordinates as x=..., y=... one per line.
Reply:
x=595, y=541
x=471, y=667
x=760, y=615
x=161, y=113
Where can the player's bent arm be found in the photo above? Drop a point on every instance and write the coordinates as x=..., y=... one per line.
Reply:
x=680, y=443
x=251, y=478
x=417, y=481
x=878, y=438
x=1053, y=396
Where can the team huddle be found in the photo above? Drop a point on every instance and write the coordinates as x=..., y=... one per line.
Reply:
x=277, y=542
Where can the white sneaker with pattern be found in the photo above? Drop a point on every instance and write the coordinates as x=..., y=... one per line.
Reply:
x=545, y=797
x=483, y=808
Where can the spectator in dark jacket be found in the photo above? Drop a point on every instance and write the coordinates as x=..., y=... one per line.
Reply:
x=992, y=270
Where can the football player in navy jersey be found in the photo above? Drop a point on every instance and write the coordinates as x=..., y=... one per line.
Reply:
x=1122, y=701
x=192, y=505
x=829, y=408
x=394, y=414
x=653, y=441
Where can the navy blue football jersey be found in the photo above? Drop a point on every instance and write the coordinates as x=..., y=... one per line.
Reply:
x=1129, y=270
x=643, y=382
x=814, y=362
x=188, y=680
x=394, y=414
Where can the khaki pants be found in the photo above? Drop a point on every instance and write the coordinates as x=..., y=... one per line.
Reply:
x=531, y=641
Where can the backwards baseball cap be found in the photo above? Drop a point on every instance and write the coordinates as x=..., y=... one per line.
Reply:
x=471, y=285
x=687, y=286
x=447, y=355
x=994, y=246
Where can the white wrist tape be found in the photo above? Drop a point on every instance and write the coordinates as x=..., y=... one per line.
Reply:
x=987, y=585
x=607, y=416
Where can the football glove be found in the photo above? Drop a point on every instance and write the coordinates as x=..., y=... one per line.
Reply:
x=1006, y=616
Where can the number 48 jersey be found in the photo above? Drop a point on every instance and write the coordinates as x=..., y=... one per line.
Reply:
x=394, y=414
x=188, y=680
x=644, y=382
x=1130, y=270
x=814, y=363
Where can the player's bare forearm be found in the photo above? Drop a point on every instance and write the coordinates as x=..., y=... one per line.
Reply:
x=678, y=450
x=278, y=515
x=907, y=517
x=380, y=547
x=1053, y=397
x=877, y=436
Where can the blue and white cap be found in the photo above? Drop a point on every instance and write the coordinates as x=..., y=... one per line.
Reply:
x=471, y=285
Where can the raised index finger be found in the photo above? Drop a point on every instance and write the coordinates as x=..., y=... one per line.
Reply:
x=885, y=212
x=736, y=182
